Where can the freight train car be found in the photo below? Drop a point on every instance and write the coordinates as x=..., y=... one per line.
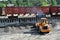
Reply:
x=47, y=10
x=15, y=11
x=54, y=11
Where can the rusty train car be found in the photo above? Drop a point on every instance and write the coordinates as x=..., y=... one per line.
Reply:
x=26, y=15
x=52, y=10
x=25, y=10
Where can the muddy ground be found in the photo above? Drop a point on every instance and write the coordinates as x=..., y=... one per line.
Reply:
x=23, y=33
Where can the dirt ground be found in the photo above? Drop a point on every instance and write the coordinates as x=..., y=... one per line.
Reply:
x=53, y=35
x=27, y=34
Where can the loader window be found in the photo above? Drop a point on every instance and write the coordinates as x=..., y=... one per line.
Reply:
x=43, y=21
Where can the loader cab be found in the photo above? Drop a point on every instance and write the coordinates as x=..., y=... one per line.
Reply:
x=44, y=27
x=44, y=21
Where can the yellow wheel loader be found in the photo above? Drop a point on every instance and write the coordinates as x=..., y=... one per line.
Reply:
x=43, y=25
